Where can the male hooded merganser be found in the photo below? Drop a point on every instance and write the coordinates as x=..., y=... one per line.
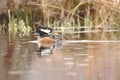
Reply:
x=45, y=40
x=45, y=37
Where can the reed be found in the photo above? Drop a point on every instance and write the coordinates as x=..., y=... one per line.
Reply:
x=2, y=28
x=62, y=14
x=90, y=13
x=17, y=26
x=98, y=12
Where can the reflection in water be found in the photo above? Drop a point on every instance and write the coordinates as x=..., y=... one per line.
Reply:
x=73, y=61
x=43, y=50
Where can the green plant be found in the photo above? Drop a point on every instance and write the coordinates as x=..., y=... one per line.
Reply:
x=17, y=26
x=2, y=28
x=22, y=29
x=12, y=24
x=73, y=13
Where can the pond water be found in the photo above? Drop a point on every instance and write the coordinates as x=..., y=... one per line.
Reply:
x=73, y=60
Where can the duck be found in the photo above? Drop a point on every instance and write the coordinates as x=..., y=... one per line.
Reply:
x=45, y=39
x=44, y=36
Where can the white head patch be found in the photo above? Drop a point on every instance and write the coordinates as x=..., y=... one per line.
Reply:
x=46, y=31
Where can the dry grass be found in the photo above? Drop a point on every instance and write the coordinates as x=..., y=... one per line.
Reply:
x=71, y=13
x=85, y=12
x=91, y=12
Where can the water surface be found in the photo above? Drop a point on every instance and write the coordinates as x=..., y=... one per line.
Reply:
x=90, y=60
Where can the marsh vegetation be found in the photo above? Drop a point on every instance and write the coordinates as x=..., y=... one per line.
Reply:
x=73, y=16
x=89, y=50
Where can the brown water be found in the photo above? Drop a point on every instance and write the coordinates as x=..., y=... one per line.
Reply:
x=71, y=61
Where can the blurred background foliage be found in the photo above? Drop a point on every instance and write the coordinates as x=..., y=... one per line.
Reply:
x=91, y=14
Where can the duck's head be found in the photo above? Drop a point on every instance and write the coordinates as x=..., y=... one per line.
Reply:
x=42, y=30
